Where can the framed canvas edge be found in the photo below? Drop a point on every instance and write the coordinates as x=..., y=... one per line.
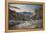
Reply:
x=22, y=2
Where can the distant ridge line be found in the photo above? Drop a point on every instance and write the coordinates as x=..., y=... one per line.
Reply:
x=23, y=12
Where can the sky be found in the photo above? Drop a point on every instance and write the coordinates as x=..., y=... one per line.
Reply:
x=25, y=7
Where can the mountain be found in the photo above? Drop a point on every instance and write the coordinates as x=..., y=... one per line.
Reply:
x=23, y=13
